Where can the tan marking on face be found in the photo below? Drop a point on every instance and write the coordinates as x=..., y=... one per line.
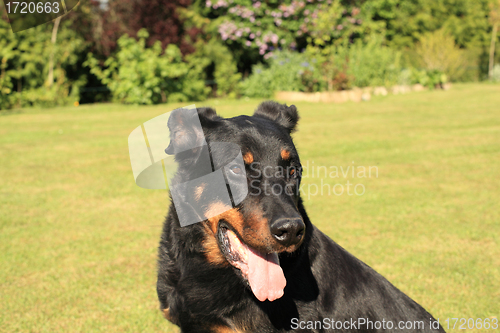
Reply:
x=218, y=211
x=285, y=154
x=248, y=158
x=212, y=250
x=256, y=233
x=214, y=213
x=253, y=228
x=198, y=191
x=166, y=314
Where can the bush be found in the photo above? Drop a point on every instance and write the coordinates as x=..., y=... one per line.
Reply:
x=437, y=51
x=140, y=75
x=335, y=67
x=373, y=64
x=6, y=99
x=62, y=92
x=225, y=73
x=256, y=29
x=428, y=78
x=332, y=63
x=24, y=66
x=287, y=71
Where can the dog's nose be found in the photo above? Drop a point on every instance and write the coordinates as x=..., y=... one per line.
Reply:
x=288, y=231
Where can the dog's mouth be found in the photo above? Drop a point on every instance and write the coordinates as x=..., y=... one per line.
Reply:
x=261, y=270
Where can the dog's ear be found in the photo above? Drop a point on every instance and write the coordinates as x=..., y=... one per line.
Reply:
x=207, y=113
x=286, y=116
x=186, y=132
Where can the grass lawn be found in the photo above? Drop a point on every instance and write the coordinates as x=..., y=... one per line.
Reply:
x=78, y=238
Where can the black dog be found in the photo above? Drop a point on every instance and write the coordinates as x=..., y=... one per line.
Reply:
x=260, y=265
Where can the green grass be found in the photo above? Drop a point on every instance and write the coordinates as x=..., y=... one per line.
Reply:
x=78, y=238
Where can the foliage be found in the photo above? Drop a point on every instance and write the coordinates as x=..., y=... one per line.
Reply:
x=253, y=30
x=290, y=71
x=437, y=51
x=6, y=98
x=225, y=38
x=103, y=24
x=311, y=80
x=335, y=67
x=24, y=59
x=345, y=53
x=428, y=78
x=494, y=15
x=373, y=64
x=225, y=73
x=407, y=21
x=336, y=23
x=141, y=75
x=350, y=54
x=494, y=19
x=332, y=62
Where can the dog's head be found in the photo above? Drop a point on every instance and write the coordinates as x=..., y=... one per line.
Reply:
x=251, y=230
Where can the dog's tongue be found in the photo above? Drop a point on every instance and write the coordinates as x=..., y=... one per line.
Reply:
x=265, y=275
x=263, y=271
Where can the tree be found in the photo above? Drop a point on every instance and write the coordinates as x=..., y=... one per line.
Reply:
x=25, y=63
x=103, y=26
x=495, y=21
x=407, y=21
x=50, y=78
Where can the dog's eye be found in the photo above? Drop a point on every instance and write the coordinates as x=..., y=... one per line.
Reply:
x=236, y=169
x=293, y=173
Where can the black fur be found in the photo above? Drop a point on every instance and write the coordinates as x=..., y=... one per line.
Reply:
x=323, y=279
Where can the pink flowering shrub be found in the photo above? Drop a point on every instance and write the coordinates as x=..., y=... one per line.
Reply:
x=265, y=26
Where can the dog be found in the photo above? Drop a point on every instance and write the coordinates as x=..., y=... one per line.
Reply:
x=260, y=265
